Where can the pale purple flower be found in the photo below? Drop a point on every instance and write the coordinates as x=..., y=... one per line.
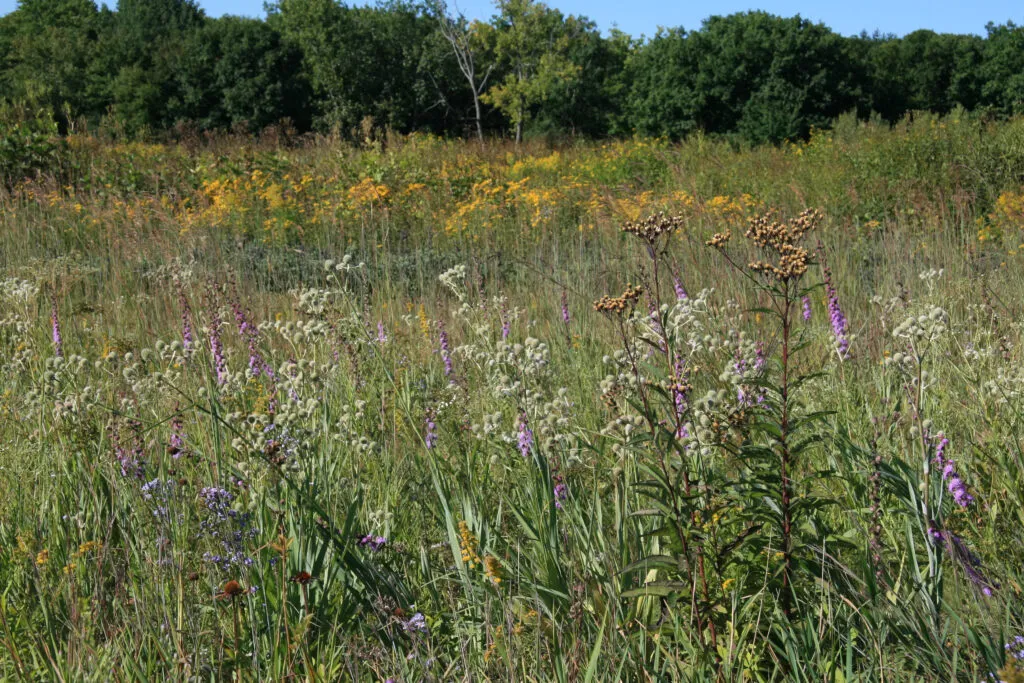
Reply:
x=954, y=483
x=840, y=327
x=431, y=436
x=374, y=543
x=677, y=284
x=525, y=438
x=417, y=624
x=58, y=339
x=506, y=328
x=217, y=349
x=446, y=355
x=565, y=307
x=561, y=492
x=177, y=442
x=807, y=308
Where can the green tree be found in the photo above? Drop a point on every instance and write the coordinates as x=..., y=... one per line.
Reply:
x=531, y=42
x=241, y=71
x=1003, y=70
x=388, y=62
x=48, y=48
x=768, y=77
x=923, y=71
x=145, y=57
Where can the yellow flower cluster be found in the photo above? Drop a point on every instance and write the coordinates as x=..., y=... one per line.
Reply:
x=467, y=544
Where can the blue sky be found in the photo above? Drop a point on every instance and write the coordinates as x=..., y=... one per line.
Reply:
x=644, y=16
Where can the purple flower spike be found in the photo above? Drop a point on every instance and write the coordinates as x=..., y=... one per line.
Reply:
x=525, y=436
x=446, y=354
x=58, y=339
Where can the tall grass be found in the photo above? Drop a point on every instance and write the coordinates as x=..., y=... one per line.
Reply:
x=330, y=413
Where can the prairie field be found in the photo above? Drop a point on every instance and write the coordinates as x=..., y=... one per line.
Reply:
x=419, y=409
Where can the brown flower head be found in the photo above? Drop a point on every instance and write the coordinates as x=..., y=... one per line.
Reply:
x=232, y=589
x=619, y=304
x=653, y=227
x=302, y=578
x=781, y=240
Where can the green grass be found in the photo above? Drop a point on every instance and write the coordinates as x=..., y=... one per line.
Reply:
x=615, y=546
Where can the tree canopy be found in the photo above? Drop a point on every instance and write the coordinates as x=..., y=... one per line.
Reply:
x=148, y=66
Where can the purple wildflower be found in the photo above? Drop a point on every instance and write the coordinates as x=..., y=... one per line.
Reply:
x=565, y=307
x=446, y=355
x=58, y=339
x=525, y=436
x=677, y=284
x=130, y=456
x=416, y=624
x=837, y=318
x=382, y=335
x=1015, y=648
x=506, y=325
x=431, y=436
x=177, y=445
x=217, y=349
x=560, y=492
x=374, y=543
x=226, y=525
x=955, y=484
x=807, y=308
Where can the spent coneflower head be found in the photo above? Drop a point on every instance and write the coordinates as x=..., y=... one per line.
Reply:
x=231, y=590
x=302, y=578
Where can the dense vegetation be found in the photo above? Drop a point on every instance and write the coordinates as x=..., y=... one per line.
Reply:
x=422, y=409
x=161, y=67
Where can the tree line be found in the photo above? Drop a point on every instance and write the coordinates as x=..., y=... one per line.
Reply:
x=150, y=67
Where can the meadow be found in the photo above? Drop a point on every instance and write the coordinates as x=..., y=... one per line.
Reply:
x=425, y=410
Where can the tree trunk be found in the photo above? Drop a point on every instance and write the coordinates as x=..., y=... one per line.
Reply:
x=479, y=123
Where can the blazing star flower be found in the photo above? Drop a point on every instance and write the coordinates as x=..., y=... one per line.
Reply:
x=955, y=484
x=217, y=349
x=506, y=328
x=58, y=339
x=807, y=308
x=840, y=326
x=677, y=284
x=565, y=307
x=446, y=355
x=431, y=436
x=561, y=492
x=382, y=336
x=525, y=436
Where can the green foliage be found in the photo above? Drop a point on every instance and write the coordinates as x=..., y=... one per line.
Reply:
x=159, y=68
x=238, y=71
x=29, y=145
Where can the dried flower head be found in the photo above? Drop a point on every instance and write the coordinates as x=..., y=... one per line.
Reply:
x=302, y=578
x=781, y=239
x=651, y=228
x=719, y=239
x=232, y=589
x=619, y=304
